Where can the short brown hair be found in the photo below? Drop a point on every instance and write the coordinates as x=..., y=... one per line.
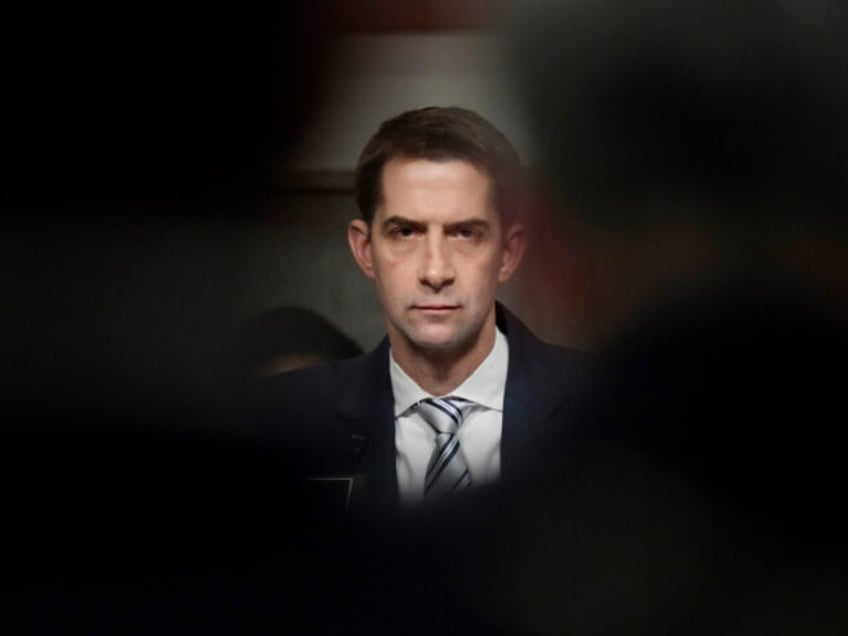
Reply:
x=438, y=134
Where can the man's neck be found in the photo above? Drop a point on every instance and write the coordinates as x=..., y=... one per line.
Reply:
x=439, y=372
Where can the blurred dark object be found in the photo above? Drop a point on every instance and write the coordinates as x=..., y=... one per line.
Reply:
x=288, y=337
x=163, y=103
x=690, y=141
x=727, y=115
x=146, y=532
x=698, y=148
x=139, y=143
x=699, y=491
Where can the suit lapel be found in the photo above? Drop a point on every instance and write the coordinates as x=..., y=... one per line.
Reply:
x=531, y=397
x=366, y=408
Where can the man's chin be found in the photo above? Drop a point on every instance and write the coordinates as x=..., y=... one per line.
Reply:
x=439, y=342
x=436, y=345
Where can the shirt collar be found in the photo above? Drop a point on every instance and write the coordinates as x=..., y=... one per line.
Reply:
x=485, y=386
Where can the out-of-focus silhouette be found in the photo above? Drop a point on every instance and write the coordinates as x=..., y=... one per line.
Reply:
x=138, y=141
x=699, y=152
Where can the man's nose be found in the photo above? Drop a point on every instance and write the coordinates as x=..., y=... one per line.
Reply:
x=437, y=266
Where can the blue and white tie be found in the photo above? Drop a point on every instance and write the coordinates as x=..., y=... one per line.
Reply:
x=447, y=471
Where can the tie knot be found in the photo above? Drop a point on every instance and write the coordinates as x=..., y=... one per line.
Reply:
x=444, y=415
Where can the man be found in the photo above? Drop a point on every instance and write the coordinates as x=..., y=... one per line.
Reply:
x=459, y=394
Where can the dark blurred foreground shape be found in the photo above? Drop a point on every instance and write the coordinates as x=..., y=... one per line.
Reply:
x=699, y=151
x=136, y=498
x=137, y=141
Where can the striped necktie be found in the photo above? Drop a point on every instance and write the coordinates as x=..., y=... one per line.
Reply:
x=447, y=471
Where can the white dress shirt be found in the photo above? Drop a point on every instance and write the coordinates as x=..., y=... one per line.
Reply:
x=479, y=435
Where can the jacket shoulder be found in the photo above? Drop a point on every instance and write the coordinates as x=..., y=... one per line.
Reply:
x=532, y=351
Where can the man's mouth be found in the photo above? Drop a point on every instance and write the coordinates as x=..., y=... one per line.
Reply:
x=436, y=308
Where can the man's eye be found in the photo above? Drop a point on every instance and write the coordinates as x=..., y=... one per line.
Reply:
x=467, y=233
x=403, y=232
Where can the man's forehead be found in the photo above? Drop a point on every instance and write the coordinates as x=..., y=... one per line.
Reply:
x=404, y=162
x=412, y=187
x=404, y=173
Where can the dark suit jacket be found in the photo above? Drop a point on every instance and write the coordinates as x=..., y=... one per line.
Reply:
x=340, y=418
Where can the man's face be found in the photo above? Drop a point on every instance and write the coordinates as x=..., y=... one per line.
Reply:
x=436, y=249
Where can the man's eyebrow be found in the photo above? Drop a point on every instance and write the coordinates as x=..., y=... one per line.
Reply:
x=399, y=220
x=471, y=222
x=481, y=224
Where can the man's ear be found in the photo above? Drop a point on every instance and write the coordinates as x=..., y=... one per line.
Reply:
x=515, y=239
x=359, y=239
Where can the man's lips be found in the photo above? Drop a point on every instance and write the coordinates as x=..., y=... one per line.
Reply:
x=435, y=308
